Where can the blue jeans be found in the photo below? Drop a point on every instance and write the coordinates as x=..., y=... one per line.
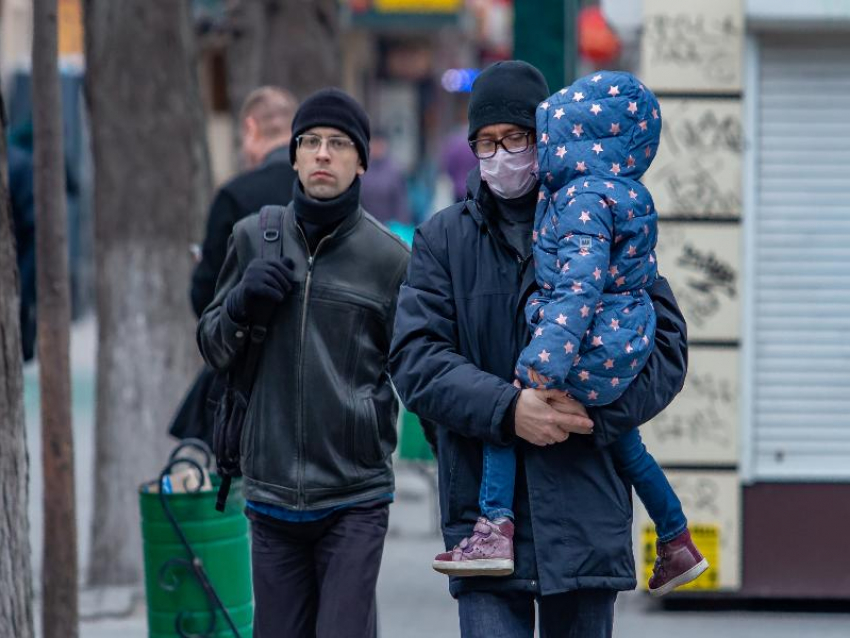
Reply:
x=585, y=613
x=651, y=485
x=496, y=495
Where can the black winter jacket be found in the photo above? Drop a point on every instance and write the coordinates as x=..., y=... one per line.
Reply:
x=459, y=328
x=321, y=422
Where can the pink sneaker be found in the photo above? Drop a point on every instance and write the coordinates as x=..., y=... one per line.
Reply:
x=488, y=552
x=678, y=563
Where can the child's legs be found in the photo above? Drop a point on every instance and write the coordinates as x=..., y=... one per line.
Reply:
x=496, y=497
x=651, y=485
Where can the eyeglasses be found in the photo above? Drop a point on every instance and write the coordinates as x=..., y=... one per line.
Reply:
x=312, y=143
x=512, y=143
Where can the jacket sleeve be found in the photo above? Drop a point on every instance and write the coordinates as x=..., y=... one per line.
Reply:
x=660, y=380
x=579, y=232
x=220, y=338
x=223, y=215
x=432, y=378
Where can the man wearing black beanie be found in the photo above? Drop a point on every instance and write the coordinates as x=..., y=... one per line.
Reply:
x=460, y=327
x=319, y=430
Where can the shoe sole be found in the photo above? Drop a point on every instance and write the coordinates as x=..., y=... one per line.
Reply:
x=480, y=567
x=682, y=579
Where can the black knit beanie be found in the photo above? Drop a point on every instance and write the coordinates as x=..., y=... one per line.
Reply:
x=332, y=107
x=506, y=93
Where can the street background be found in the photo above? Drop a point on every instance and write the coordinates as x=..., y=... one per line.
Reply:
x=750, y=184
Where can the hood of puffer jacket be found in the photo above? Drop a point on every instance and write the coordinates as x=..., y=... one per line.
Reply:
x=605, y=125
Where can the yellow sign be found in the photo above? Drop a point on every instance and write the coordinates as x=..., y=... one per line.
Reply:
x=70, y=18
x=417, y=6
x=706, y=538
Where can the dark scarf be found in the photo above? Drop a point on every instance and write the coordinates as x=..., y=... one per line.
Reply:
x=516, y=220
x=318, y=218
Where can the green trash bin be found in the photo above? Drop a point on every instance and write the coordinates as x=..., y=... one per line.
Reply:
x=412, y=443
x=178, y=602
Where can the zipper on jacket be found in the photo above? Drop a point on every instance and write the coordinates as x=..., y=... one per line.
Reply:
x=299, y=431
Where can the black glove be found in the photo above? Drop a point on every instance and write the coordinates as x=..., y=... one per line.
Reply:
x=264, y=284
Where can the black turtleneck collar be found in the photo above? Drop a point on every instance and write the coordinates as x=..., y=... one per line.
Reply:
x=318, y=218
x=515, y=219
x=520, y=209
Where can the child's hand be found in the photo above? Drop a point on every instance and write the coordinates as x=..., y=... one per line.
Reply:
x=540, y=380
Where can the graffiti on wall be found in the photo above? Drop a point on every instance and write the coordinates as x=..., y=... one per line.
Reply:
x=693, y=46
x=702, y=264
x=700, y=427
x=697, y=172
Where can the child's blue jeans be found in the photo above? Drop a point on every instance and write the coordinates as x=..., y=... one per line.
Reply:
x=496, y=495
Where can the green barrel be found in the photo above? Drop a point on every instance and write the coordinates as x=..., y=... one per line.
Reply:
x=412, y=444
x=220, y=540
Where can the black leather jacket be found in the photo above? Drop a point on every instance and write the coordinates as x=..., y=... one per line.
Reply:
x=321, y=422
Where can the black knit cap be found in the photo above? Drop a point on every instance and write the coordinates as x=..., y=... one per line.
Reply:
x=332, y=107
x=506, y=93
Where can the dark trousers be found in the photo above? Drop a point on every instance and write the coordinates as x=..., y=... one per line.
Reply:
x=586, y=613
x=317, y=579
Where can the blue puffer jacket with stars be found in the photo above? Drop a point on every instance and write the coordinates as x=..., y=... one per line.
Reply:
x=592, y=320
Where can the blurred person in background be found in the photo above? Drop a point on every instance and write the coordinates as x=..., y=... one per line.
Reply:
x=460, y=327
x=383, y=192
x=20, y=171
x=457, y=160
x=316, y=449
x=266, y=130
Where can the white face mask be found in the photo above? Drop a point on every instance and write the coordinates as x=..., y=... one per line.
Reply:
x=510, y=175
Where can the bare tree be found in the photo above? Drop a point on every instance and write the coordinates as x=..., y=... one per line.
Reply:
x=291, y=43
x=59, y=566
x=152, y=183
x=15, y=568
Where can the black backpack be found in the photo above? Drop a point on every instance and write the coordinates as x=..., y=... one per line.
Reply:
x=232, y=407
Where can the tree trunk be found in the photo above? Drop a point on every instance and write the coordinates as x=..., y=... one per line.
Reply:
x=59, y=567
x=15, y=568
x=152, y=184
x=293, y=44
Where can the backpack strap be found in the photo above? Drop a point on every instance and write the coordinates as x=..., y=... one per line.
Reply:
x=271, y=243
x=271, y=229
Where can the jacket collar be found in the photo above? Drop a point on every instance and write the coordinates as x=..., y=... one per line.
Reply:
x=345, y=227
x=479, y=200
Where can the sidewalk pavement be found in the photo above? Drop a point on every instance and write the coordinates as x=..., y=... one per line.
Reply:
x=413, y=600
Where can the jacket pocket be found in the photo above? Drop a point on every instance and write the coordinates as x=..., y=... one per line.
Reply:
x=246, y=440
x=367, y=436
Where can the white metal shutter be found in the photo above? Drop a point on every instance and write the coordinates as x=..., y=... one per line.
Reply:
x=801, y=382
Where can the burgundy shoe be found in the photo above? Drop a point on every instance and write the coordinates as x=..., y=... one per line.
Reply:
x=678, y=562
x=488, y=552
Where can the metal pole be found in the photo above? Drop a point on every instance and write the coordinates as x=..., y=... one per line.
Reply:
x=59, y=570
x=548, y=43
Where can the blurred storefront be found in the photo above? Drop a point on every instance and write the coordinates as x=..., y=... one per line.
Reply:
x=754, y=238
x=396, y=54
